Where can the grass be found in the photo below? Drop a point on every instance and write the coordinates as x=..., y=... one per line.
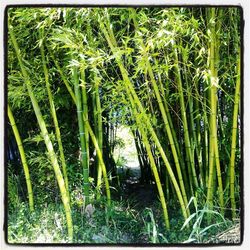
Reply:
x=199, y=223
x=122, y=224
x=47, y=225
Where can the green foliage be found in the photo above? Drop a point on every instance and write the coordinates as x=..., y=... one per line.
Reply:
x=121, y=224
x=46, y=188
x=46, y=225
x=200, y=225
x=38, y=227
x=164, y=48
x=120, y=163
x=13, y=190
x=151, y=227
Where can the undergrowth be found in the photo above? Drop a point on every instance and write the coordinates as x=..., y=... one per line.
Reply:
x=120, y=224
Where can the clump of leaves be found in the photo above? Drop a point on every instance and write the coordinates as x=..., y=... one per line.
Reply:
x=13, y=196
x=199, y=222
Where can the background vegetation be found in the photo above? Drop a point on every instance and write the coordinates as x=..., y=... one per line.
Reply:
x=168, y=76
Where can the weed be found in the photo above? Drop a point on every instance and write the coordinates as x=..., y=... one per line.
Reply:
x=199, y=228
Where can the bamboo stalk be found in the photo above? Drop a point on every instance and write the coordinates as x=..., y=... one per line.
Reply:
x=54, y=115
x=213, y=82
x=23, y=158
x=97, y=117
x=217, y=157
x=79, y=111
x=85, y=114
x=214, y=154
x=99, y=129
x=206, y=149
x=198, y=138
x=234, y=137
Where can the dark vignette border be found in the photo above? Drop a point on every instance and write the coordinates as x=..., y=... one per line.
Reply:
x=242, y=204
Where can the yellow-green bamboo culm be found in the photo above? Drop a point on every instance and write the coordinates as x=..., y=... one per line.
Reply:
x=97, y=110
x=79, y=111
x=213, y=149
x=53, y=113
x=99, y=128
x=45, y=135
x=217, y=157
x=23, y=158
x=85, y=155
x=234, y=138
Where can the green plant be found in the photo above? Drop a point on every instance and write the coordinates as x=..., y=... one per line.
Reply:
x=199, y=227
x=13, y=190
x=151, y=226
x=45, y=225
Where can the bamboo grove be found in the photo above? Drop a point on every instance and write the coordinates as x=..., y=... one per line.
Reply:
x=172, y=75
